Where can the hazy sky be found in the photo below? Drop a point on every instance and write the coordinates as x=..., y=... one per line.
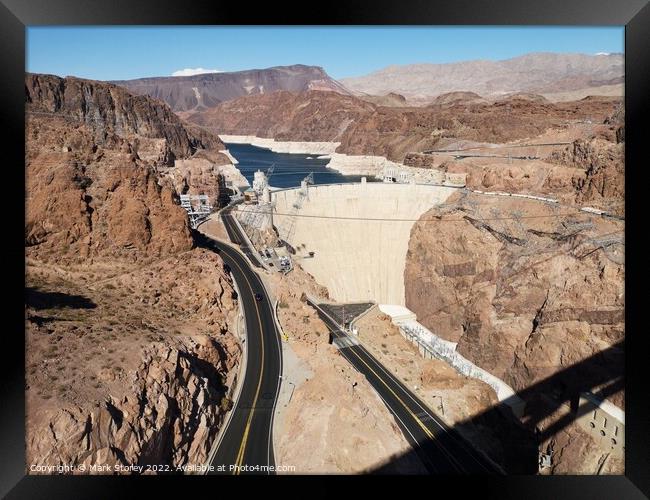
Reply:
x=115, y=53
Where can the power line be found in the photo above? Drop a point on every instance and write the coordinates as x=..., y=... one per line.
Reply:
x=436, y=219
x=333, y=172
x=474, y=289
x=499, y=146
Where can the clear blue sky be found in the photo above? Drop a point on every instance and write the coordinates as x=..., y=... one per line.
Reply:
x=113, y=53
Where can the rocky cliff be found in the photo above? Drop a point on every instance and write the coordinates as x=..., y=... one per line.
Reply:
x=526, y=289
x=581, y=163
x=498, y=266
x=107, y=108
x=365, y=128
x=130, y=366
x=603, y=164
x=130, y=351
x=93, y=160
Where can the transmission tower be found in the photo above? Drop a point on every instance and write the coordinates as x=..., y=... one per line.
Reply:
x=197, y=211
x=269, y=172
x=255, y=217
x=303, y=193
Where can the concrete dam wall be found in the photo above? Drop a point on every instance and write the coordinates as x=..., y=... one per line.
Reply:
x=356, y=260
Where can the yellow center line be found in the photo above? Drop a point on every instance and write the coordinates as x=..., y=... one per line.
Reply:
x=242, y=447
x=413, y=415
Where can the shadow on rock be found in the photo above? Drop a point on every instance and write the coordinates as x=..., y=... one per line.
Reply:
x=39, y=299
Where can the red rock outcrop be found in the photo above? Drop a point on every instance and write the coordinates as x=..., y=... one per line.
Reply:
x=603, y=164
x=524, y=288
x=130, y=350
x=129, y=368
x=109, y=108
x=92, y=160
x=392, y=132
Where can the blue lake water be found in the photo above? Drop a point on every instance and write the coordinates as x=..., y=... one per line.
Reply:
x=289, y=169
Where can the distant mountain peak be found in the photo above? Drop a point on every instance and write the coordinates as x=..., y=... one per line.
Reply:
x=206, y=90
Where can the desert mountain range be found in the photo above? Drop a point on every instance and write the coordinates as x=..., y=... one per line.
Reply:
x=555, y=76
x=540, y=73
x=185, y=93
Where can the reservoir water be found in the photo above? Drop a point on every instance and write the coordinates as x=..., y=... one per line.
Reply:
x=289, y=168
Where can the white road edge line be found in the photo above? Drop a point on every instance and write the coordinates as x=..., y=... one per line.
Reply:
x=277, y=339
x=435, y=419
x=400, y=384
x=390, y=408
x=240, y=383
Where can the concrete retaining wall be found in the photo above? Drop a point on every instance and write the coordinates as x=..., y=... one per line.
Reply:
x=296, y=147
x=604, y=422
x=432, y=346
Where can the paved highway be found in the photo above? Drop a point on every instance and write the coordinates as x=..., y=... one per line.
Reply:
x=237, y=238
x=247, y=443
x=441, y=449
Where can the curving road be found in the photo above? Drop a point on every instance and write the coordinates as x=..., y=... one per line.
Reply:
x=247, y=441
x=246, y=446
x=440, y=448
x=236, y=237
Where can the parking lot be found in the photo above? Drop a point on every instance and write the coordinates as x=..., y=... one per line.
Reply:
x=277, y=259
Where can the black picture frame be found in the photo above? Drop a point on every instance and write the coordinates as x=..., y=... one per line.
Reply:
x=15, y=15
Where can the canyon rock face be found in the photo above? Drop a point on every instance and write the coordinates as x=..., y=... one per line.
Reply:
x=603, y=164
x=525, y=288
x=109, y=108
x=365, y=128
x=587, y=171
x=170, y=417
x=195, y=176
x=532, y=293
x=200, y=92
x=128, y=365
x=284, y=116
x=93, y=158
x=130, y=353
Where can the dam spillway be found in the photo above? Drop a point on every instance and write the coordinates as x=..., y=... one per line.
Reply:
x=358, y=259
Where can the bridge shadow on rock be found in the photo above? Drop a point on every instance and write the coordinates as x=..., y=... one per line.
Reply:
x=39, y=299
x=202, y=241
x=512, y=443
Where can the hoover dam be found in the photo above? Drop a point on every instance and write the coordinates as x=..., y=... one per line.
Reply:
x=359, y=233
